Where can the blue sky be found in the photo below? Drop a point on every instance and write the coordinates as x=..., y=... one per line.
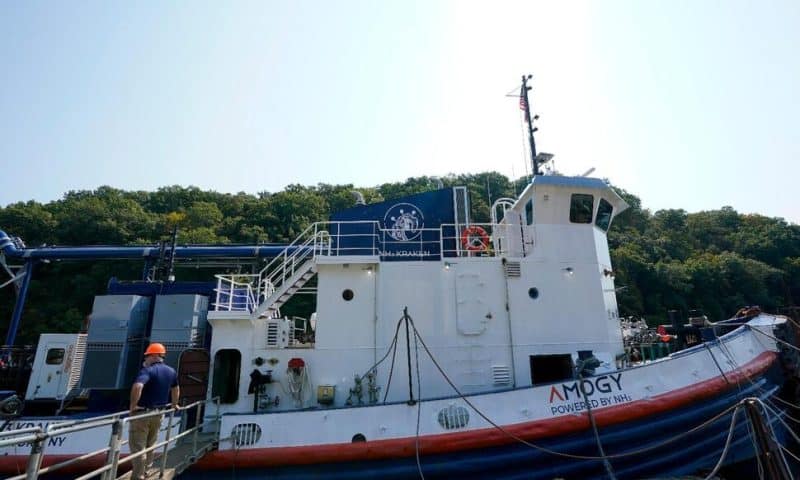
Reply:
x=687, y=104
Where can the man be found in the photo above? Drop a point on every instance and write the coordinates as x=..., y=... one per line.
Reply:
x=156, y=387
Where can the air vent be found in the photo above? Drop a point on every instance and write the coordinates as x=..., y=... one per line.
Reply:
x=501, y=375
x=78, y=355
x=453, y=416
x=272, y=334
x=245, y=434
x=512, y=269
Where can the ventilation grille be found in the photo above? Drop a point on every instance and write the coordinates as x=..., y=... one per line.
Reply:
x=245, y=434
x=453, y=416
x=273, y=331
x=512, y=269
x=105, y=346
x=501, y=375
x=77, y=361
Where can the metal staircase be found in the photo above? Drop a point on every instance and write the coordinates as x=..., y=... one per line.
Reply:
x=263, y=294
x=287, y=273
x=287, y=288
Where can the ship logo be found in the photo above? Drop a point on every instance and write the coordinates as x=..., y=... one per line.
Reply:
x=404, y=222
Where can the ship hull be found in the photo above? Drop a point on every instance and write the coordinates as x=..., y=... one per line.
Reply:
x=643, y=415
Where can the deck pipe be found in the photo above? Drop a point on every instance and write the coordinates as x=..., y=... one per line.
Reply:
x=147, y=253
x=144, y=252
x=16, y=315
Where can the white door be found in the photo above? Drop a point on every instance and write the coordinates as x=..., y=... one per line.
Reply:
x=53, y=371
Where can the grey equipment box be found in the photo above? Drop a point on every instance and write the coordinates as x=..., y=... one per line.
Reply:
x=115, y=341
x=179, y=322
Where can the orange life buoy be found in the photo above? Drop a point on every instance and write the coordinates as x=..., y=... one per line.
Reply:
x=475, y=239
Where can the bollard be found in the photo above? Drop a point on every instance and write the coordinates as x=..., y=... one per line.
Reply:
x=35, y=460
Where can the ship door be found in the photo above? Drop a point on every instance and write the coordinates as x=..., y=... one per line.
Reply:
x=528, y=229
x=53, y=375
x=193, y=368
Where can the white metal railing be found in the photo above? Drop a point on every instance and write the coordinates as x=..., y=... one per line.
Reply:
x=37, y=437
x=238, y=292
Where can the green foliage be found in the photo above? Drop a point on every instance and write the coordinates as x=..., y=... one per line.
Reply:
x=716, y=260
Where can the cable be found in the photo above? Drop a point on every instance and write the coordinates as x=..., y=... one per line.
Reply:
x=606, y=463
x=391, y=367
x=772, y=431
x=727, y=444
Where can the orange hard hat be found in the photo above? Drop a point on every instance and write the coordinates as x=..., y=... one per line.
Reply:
x=155, y=349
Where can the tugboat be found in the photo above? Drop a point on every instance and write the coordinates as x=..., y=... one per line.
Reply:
x=438, y=347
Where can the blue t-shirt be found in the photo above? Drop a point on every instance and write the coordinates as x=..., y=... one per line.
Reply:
x=157, y=379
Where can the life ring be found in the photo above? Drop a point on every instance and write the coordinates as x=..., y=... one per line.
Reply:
x=475, y=239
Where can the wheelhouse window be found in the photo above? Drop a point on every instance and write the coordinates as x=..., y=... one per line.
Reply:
x=54, y=356
x=227, y=365
x=604, y=211
x=581, y=208
x=529, y=212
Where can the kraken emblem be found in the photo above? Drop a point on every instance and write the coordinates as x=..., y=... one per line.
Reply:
x=403, y=222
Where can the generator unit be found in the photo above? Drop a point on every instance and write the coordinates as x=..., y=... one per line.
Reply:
x=115, y=341
x=56, y=366
x=179, y=322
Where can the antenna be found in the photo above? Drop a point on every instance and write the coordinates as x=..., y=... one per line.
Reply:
x=525, y=105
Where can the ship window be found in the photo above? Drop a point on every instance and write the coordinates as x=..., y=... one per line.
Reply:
x=225, y=385
x=581, y=208
x=529, y=212
x=347, y=295
x=604, y=210
x=55, y=356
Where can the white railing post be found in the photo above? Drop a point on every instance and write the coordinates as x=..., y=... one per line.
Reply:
x=441, y=242
x=219, y=287
x=166, y=444
x=196, y=427
x=35, y=458
x=114, y=444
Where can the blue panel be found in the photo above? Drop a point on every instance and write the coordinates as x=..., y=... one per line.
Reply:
x=149, y=289
x=406, y=228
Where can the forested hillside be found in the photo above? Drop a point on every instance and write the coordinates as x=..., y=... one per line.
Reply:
x=716, y=260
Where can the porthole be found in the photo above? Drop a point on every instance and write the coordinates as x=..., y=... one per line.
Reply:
x=347, y=295
x=359, y=437
x=533, y=292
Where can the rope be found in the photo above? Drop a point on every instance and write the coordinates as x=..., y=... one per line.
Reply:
x=717, y=363
x=553, y=452
x=766, y=411
x=784, y=342
x=727, y=444
x=606, y=463
x=391, y=367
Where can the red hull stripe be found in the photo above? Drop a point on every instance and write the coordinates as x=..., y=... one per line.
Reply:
x=485, y=437
x=447, y=442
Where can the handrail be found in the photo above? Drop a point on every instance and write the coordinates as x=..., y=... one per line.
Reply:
x=37, y=437
x=260, y=291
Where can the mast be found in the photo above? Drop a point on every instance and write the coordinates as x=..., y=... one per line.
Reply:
x=525, y=105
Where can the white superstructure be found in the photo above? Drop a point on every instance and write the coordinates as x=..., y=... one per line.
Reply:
x=496, y=311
